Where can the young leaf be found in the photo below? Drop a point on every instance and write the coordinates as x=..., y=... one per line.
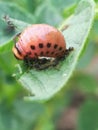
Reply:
x=44, y=84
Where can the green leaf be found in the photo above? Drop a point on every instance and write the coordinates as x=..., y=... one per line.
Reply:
x=85, y=82
x=62, y=4
x=44, y=84
x=46, y=13
x=87, y=57
x=88, y=116
x=68, y=11
x=7, y=46
x=20, y=116
x=15, y=12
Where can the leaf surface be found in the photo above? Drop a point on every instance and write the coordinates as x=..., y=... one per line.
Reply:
x=44, y=84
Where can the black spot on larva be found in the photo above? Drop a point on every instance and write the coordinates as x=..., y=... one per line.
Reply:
x=40, y=45
x=48, y=45
x=63, y=52
x=41, y=53
x=60, y=48
x=52, y=53
x=55, y=46
x=35, y=54
x=47, y=52
x=32, y=47
x=17, y=50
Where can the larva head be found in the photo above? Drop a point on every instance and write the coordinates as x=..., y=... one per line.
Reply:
x=40, y=40
x=18, y=51
x=16, y=54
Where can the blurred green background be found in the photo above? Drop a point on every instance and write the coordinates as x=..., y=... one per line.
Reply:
x=73, y=109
